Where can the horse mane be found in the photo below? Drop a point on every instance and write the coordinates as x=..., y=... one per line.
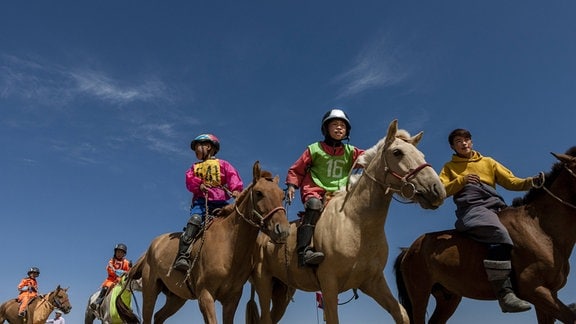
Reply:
x=550, y=176
x=227, y=210
x=365, y=158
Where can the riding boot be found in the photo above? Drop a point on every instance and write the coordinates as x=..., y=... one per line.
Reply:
x=182, y=262
x=100, y=298
x=499, y=276
x=306, y=255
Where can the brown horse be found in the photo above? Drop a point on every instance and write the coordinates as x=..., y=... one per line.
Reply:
x=350, y=232
x=449, y=266
x=39, y=309
x=220, y=256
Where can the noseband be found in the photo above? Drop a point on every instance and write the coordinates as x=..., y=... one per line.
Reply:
x=54, y=302
x=257, y=214
x=406, y=189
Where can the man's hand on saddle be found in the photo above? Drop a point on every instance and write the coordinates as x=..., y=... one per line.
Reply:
x=472, y=178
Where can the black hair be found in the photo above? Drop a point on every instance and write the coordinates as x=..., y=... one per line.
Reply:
x=458, y=132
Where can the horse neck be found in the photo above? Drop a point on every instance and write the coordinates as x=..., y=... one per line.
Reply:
x=43, y=309
x=557, y=219
x=241, y=233
x=368, y=202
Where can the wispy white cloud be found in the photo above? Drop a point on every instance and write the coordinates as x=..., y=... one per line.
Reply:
x=98, y=85
x=47, y=84
x=378, y=65
x=160, y=137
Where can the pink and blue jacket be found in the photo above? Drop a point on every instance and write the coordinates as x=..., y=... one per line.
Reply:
x=229, y=178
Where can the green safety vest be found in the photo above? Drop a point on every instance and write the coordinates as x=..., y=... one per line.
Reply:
x=328, y=171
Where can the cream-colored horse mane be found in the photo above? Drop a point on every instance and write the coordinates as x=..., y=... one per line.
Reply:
x=368, y=155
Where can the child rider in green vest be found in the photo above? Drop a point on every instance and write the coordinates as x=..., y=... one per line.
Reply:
x=322, y=169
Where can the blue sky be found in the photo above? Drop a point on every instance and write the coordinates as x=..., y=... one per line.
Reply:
x=99, y=102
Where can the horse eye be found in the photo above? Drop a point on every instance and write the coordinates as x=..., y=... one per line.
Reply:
x=258, y=193
x=397, y=152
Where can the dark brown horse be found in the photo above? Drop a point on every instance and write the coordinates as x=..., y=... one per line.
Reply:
x=39, y=309
x=448, y=265
x=220, y=257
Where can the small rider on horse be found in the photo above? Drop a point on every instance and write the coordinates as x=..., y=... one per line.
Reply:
x=322, y=169
x=212, y=182
x=116, y=268
x=28, y=290
x=471, y=179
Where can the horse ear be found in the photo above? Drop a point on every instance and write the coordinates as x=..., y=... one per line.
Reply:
x=256, y=172
x=277, y=179
x=416, y=138
x=392, y=129
x=562, y=157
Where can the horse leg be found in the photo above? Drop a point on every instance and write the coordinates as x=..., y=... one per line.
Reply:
x=549, y=307
x=281, y=296
x=229, y=307
x=378, y=289
x=264, y=288
x=207, y=306
x=150, y=291
x=330, y=302
x=171, y=306
x=544, y=318
x=446, y=304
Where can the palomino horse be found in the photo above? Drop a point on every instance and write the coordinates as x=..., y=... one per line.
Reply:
x=220, y=256
x=351, y=233
x=449, y=265
x=39, y=309
x=104, y=312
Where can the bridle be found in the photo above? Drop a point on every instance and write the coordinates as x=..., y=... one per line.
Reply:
x=406, y=189
x=55, y=302
x=562, y=201
x=260, y=219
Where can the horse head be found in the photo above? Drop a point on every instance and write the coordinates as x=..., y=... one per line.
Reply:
x=396, y=164
x=266, y=197
x=59, y=299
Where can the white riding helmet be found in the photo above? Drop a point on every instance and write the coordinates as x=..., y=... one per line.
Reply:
x=335, y=114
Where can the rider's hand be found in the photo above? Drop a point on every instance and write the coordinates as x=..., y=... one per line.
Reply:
x=235, y=194
x=290, y=192
x=472, y=178
x=538, y=180
x=119, y=272
x=203, y=188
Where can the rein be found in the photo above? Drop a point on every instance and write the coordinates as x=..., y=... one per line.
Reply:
x=406, y=184
x=55, y=303
x=562, y=201
x=259, y=225
x=261, y=218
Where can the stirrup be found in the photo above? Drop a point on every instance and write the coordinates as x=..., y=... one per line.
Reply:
x=313, y=257
x=181, y=264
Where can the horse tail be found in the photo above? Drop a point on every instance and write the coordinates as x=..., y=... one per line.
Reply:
x=136, y=270
x=403, y=297
x=124, y=311
x=252, y=314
